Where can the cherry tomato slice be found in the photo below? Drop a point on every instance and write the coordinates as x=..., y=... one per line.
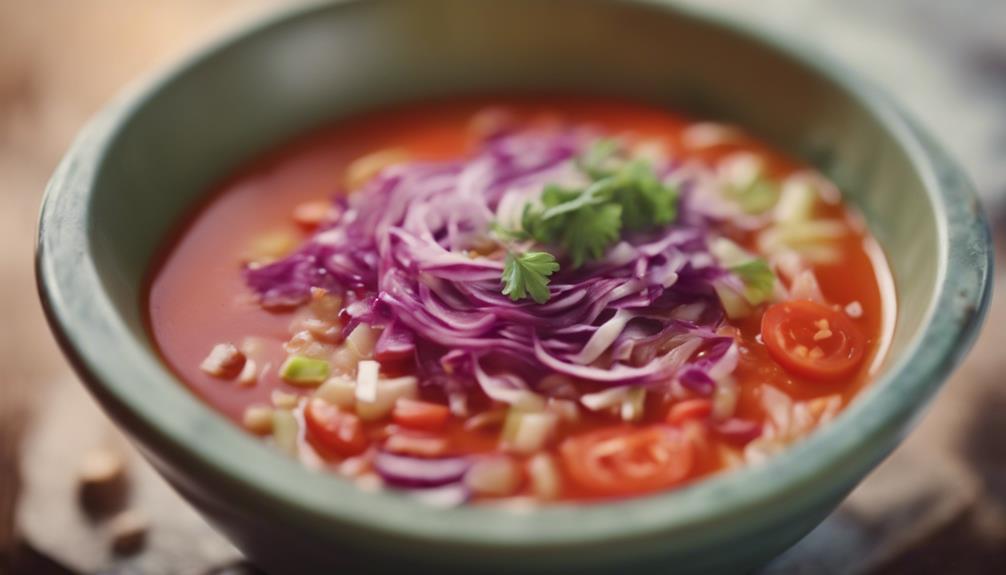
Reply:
x=626, y=460
x=416, y=414
x=334, y=430
x=812, y=340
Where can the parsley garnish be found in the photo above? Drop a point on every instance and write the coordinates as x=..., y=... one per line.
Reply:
x=623, y=194
x=527, y=273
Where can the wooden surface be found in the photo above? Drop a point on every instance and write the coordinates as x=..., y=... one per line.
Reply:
x=937, y=506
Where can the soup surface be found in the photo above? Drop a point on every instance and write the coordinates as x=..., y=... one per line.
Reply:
x=549, y=299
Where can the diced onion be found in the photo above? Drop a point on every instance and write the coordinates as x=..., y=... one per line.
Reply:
x=285, y=431
x=338, y=390
x=633, y=404
x=366, y=381
x=388, y=392
x=362, y=339
x=526, y=433
x=545, y=479
x=496, y=476
x=258, y=419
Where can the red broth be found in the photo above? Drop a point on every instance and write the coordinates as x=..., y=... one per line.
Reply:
x=198, y=297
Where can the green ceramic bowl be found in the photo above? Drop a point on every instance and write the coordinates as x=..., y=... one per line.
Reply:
x=149, y=158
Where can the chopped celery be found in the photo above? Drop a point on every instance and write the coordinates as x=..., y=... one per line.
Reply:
x=729, y=253
x=759, y=281
x=734, y=303
x=285, y=431
x=754, y=273
x=304, y=371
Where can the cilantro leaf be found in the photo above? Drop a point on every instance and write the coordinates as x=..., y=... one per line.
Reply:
x=646, y=202
x=758, y=279
x=589, y=231
x=528, y=273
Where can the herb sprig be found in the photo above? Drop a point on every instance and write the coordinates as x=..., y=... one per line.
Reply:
x=623, y=194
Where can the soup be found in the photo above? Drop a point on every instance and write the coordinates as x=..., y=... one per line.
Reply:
x=545, y=300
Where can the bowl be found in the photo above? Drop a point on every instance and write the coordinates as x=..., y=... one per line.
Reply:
x=148, y=159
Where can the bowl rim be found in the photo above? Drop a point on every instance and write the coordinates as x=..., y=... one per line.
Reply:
x=84, y=319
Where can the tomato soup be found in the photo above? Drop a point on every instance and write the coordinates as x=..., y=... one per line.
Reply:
x=550, y=299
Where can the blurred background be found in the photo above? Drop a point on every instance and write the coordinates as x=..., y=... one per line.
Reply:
x=937, y=506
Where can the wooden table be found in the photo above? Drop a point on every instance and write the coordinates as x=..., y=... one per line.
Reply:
x=937, y=506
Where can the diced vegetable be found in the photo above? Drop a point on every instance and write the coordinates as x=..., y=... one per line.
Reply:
x=366, y=381
x=420, y=414
x=415, y=472
x=526, y=433
x=738, y=431
x=854, y=310
x=310, y=215
x=419, y=445
x=365, y=168
x=546, y=482
x=496, y=476
x=345, y=360
x=285, y=431
x=249, y=373
x=605, y=399
x=283, y=400
x=258, y=419
x=724, y=400
x=305, y=344
x=806, y=287
x=744, y=182
x=566, y=409
x=224, y=361
x=796, y=203
x=734, y=304
x=362, y=339
x=338, y=390
x=304, y=371
x=272, y=246
x=627, y=459
x=689, y=410
x=334, y=430
x=388, y=392
x=633, y=405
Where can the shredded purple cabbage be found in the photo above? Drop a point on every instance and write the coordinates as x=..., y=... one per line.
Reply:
x=407, y=256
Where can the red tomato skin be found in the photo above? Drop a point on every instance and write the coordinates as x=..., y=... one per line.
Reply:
x=334, y=430
x=579, y=457
x=421, y=415
x=688, y=410
x=783, y=321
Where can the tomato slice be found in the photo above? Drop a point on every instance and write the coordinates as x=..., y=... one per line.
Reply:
x=334, y=430
x=625, y=460
x=416, y=414
x=812, y=340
